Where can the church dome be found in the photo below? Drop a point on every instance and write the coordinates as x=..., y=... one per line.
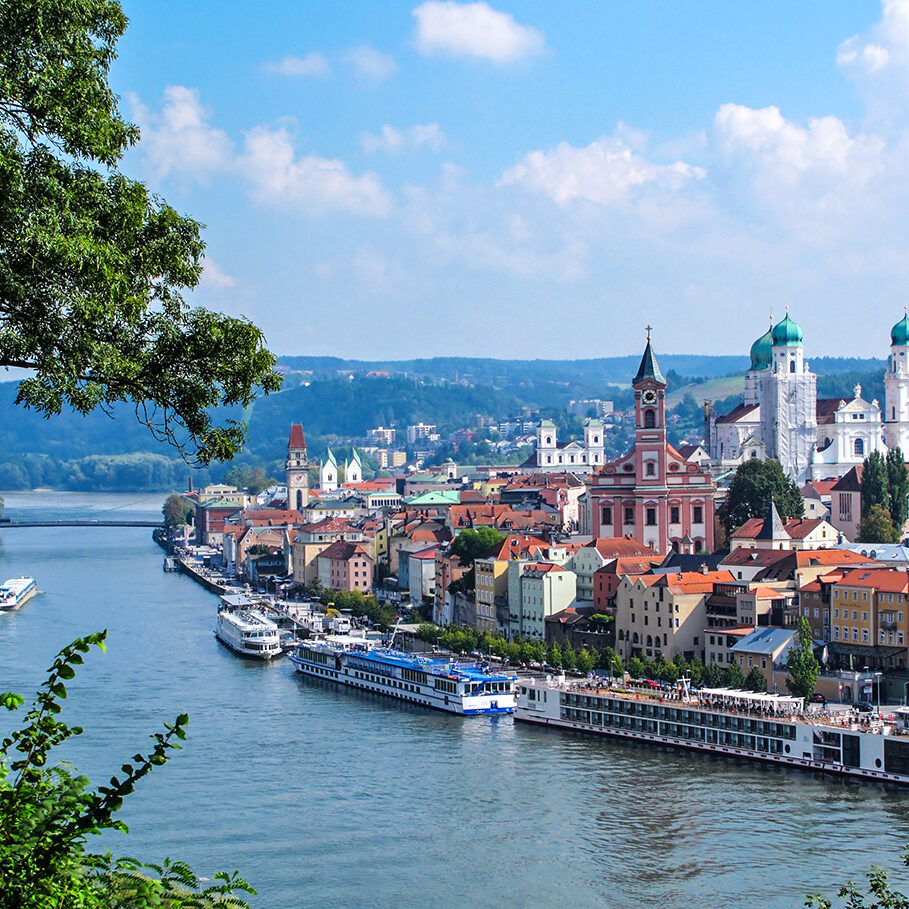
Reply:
x=899, y=334
x=762, y=351
x=787, y=333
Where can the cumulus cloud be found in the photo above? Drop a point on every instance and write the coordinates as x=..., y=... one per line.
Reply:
x=313, y=64
x=394, y=141
x=214, y=276
x=473, y=30
x=179, y=138
x=884, y=44
x=308, y=183
x=370, y=63
x=605, y=172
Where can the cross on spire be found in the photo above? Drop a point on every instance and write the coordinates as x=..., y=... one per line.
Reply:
x=649, y=329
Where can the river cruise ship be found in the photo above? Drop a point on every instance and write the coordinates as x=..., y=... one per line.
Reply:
x=464, y=688
x=16, y=591
x=248, y=632
x=765, y=727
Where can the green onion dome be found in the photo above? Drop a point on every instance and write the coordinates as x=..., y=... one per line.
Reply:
x=787, y=334
x=899, y=334
x=762, y=351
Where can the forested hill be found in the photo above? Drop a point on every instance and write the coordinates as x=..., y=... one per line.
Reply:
x=340, y=399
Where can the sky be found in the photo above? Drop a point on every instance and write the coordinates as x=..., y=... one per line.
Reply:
x=533, y=180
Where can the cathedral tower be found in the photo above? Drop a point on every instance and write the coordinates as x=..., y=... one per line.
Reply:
x=328, y=473
x=788, y=397
x=896, y=388
x=297, y=469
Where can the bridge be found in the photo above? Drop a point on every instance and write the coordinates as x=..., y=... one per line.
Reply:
x=79, y=523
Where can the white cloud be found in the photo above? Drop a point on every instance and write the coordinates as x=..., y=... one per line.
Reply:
x=214, y=276
x=370, y=63
x=313, y=64
x=473, y=30
x=309, y=183
x=886, y=43
x=394, y=141
x=605, y=172
x=179, y=139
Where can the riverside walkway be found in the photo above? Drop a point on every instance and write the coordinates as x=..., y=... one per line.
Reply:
x=85, y=522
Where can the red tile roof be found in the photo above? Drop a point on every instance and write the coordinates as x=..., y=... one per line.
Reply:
x=889, y=580
x=297, y=439
x=343, y=550
x=617, y=547
x=737, y=412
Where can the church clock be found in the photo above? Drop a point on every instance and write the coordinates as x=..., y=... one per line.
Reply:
x=649, y=396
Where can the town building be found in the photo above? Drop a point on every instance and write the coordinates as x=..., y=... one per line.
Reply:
x=772, y=532
x=652, y=493
x=345, y=566
x=420, y=431
x=296, y=469
x=765, y=648
x=781, y=417
x=382, y=435
x=577, y=456
x=543, y=589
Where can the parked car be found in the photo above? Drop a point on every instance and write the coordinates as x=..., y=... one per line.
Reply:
x=817, y=699
x=864, y=707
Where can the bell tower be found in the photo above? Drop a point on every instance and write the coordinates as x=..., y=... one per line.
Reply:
x=297, y=469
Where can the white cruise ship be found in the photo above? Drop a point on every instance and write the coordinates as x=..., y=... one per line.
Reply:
x=246, y=630
x=469, y=689
x=17, y=591
x=764, y=727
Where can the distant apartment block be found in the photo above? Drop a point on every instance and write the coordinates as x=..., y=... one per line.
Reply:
x=592, y=407
x=420, y=431
x=385, y=458
x=383, y=436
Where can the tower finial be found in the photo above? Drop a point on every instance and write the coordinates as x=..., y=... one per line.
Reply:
x=771, y=317
x=649, y=329
x=787, y=309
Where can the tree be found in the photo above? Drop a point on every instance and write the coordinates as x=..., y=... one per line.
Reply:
x=874, y=483
x=636, y=668
x=898, y=488
x=756, y=483
x=584, y=661
x=755, y=680
x=554, y=655
x=471, y=544
x=93, y=266
x=175, y=511
x=47, y=811
x=882, y=895
x=568, y=656
x=877, y=527
x=713, y=675
x=252, y=479
x=801, y=663
x=735, y=678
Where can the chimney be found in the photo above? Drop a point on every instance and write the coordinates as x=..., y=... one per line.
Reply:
x=190, y=484
x=704, y=568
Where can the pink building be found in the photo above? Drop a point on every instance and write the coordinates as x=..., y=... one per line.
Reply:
x=345, y=566
x=653, y=493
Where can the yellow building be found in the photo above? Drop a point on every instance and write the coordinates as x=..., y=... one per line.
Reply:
x=491, y=582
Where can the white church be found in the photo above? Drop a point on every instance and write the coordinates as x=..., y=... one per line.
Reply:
x=782, y=417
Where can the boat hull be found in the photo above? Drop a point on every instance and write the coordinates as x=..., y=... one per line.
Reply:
x=238, y=649
x=21, y=600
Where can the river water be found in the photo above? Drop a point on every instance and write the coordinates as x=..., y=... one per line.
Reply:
x=334, y=798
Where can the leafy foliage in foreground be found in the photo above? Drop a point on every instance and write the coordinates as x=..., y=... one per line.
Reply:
x=880, y=894
x=92, y=265
x=47, y=810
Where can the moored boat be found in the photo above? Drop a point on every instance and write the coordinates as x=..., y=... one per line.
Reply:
x=469, y=689
x=248, y=632
x=16, y=591
x=766, y=727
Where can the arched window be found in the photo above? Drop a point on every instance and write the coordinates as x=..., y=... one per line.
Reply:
x=548, y=440
x=649, y=419
x=649, y=641
x=859, y=447
x=792, y=366
x=650, y=469
x=634, y=639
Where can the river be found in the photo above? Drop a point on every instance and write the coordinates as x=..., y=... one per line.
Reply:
x=334, y=798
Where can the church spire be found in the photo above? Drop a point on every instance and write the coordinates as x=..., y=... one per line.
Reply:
x=649, y=368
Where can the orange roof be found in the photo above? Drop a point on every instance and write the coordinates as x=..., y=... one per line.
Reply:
x=615, y=547
x=888, y=580
x=297, y=440
x=767, y=593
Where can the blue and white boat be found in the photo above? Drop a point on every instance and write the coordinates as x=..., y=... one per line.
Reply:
x=469, y=689
x=16, y=591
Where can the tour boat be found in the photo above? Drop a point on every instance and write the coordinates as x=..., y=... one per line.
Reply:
x=463, y=688
x=248, y=632
x=765, y=727
x=17, y=591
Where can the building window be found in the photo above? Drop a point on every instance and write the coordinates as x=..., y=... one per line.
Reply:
x=865, y=635
x=629, y=516
x=859, y=447
x=836, y=632
x=698, y=514
x=674, y=514
x=650, y=469
x=649, y=419
x=607, y=515
x=792, y=366
x=651, y=517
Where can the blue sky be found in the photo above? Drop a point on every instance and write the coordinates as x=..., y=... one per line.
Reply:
x=390, y=180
